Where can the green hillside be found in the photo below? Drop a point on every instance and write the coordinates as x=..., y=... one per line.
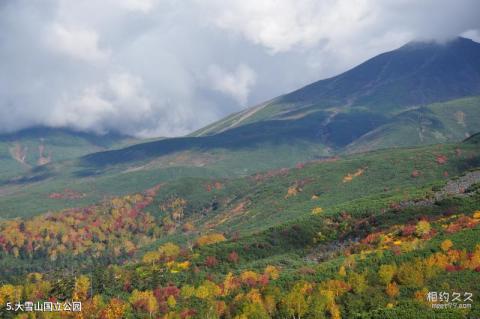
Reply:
x=27, y=149
x=436, y=123
x=92, y=181
x=280, y=195
x=257, y=202
x=361, y=236
x=237, y=152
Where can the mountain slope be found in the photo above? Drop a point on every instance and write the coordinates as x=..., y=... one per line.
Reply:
x=350, y=236
x=252, y=204
x=417, y=74
x=370, y=107
x=435, y=123
x=410, y=96
x=364, y=235
x=30, y=148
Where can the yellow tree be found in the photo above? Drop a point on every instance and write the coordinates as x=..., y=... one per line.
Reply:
x=253, y=310
x=115, y=309
x=335, y=311
x=91, y=308
x=187, y=291
x=411, y=274
x=392, y=290
x=144, y=301
x=10, y=293
x=270, y=304
x=207, y=290
x=6, y=294
x=249, y=277
x=169, y=250
x=474, y=261
x=446, y=245
x=337, y=287
x=254, y=295
x=82, y=285
x=210, y=239
x=423, y=227
x=295, y=301
x=230, y=283
x=171, y=302
x=272, y=272
x=151, y=257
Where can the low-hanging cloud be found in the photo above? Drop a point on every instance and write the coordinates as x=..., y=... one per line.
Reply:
x=166, y=67
x=237, y=83
x=81, y=44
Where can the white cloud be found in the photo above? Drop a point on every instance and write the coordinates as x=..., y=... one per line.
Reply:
x=282, y=25
x=78, y=43
x=472, y=34
x=121, y=100
x=237, y=83
x=167, y=67
x=144, y=6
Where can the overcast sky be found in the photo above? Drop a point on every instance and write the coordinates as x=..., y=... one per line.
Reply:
x=167, y=67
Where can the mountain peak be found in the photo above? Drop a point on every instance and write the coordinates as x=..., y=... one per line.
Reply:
x=418, y=73
x=375, y=92
x=423, y=44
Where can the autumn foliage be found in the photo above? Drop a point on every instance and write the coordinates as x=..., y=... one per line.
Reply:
x=118, y=226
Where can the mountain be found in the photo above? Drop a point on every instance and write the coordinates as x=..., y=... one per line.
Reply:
x=416, y=74
x=441, y=122
x=222, y=224
x=34, y=147
x=379, y=93
x=421, y=93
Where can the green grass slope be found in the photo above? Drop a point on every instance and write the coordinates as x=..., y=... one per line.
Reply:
x=32, y=194
x=436, y=123
x=375, y=179
x=245, y=206
x=394, y=225
x=27, y=149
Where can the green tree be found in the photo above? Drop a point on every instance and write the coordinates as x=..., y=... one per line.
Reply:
x=358, y=282
x=318, y=303
x=411, y=274
x=254, y=310
x=386, y=273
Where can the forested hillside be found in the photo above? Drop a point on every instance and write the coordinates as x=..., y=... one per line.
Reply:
x=339, y=238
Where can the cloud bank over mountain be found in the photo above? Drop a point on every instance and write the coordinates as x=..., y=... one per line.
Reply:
x=167, y=67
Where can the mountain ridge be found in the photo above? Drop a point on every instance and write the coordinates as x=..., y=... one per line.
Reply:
x=347, y=88
x=340, y=112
